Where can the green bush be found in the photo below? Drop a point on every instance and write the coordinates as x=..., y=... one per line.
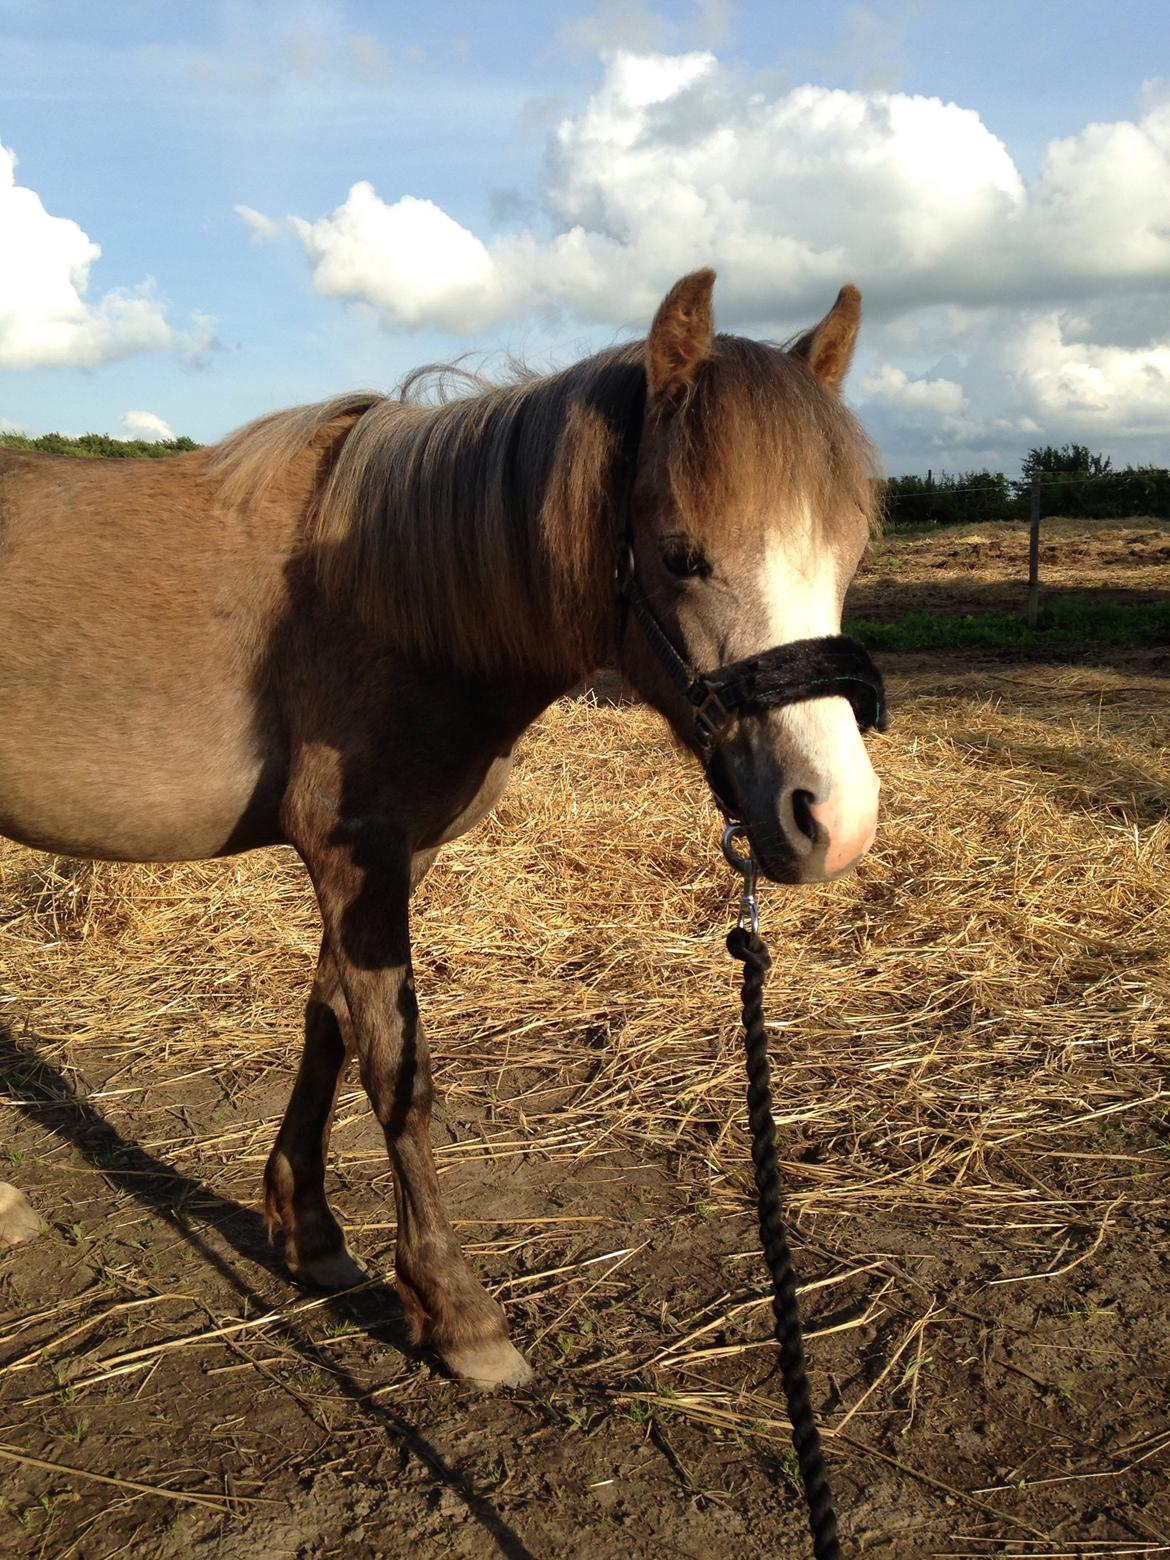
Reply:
x=1111, y=495
x=960, y=498
x=1047, y=463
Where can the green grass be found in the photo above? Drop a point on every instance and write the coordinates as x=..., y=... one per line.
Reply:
x=1067, y=623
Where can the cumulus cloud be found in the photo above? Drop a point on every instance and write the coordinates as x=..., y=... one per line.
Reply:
x=1092, y=388
x=410, y=260
x=940, y=400
x=46, y=315
x=146, y=425
x=670, y=163
x=673, y=163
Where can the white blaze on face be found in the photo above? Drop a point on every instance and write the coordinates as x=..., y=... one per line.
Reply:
x=799, y=585
x=819, y=747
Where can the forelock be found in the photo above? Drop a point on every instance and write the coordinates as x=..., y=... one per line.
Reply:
x=758, y=437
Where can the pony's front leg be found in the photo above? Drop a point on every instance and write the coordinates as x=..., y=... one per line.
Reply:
x=363, y=877
x=294, y=1178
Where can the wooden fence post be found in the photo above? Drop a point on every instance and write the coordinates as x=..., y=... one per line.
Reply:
x=1034, y=559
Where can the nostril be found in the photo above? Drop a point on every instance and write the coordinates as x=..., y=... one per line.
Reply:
x=802, y=812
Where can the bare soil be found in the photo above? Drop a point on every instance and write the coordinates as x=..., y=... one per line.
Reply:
x=971, y=1041
x=984, y=568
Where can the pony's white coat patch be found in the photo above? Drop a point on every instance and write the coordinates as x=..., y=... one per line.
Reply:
x=822, y=749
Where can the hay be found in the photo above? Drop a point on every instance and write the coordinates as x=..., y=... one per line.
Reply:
x=988, y=995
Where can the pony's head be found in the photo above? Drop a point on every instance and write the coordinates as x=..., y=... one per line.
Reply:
x=750, y=509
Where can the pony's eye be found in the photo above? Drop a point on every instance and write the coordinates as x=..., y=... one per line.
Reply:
x=685, y=559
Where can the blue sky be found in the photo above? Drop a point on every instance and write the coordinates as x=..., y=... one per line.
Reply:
x=295, y=199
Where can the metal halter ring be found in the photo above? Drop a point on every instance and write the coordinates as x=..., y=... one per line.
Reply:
x=749, y=908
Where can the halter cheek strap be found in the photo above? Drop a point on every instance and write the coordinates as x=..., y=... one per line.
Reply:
x=832, y=666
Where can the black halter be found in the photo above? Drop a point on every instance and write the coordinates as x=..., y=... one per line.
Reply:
x=833, y=665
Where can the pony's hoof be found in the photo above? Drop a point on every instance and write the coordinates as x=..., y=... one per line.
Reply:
x=18, y=1222
x=488, y=1365
x=339, y=1270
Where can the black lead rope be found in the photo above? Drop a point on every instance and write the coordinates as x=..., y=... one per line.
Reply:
x=827, y=667
x=745, y=943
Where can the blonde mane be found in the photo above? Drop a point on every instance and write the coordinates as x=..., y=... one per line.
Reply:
x=452, y=525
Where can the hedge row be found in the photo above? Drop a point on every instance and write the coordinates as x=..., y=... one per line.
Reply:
x=969, y=497
x=98, y=444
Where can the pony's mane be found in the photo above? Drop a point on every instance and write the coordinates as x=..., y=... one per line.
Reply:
x=452, y=524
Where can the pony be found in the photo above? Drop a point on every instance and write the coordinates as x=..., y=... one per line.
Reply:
x=331, y=629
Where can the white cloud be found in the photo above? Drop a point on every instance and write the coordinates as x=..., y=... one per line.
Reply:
x=46, y=317
x=926, y=400
x=263, y=229
x=197, y=343
x=1101, y=208
x=1015, y=378
x=670, y=164
x=674, y=162
x=1093, y=389
x=145, y=425
x=409, y=260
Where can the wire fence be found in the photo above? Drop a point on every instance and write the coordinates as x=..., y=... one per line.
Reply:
x=1047, y=482
x=975, y=497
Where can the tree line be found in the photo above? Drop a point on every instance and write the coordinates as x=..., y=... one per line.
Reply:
x=1073, y=480
x=98, y=444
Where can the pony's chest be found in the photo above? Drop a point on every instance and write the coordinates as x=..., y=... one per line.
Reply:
x=484, y=799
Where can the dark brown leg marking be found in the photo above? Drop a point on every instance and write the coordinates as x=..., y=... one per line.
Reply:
x=294, y=1179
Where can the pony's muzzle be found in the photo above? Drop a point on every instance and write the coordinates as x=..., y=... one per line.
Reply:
x=802, y=782
x=831, y=836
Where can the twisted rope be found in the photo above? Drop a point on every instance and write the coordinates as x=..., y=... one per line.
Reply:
x=747, y=946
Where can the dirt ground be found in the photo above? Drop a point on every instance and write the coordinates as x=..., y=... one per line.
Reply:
x=984, y=568
x=971, y=1041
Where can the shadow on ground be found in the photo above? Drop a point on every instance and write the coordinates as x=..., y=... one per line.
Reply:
x=44, y=1095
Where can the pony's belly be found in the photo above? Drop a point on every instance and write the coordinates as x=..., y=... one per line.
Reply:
x=480, y=805
x=111, y=806
x=157, y=834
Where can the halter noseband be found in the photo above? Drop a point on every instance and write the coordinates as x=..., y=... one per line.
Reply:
x=833, y=665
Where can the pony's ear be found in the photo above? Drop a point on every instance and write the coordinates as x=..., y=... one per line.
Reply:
x=828, y=347
x=681, y=339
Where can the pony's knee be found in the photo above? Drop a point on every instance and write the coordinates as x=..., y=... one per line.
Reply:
x=402, y=1108
x=326, y=1030
x=399, y=1086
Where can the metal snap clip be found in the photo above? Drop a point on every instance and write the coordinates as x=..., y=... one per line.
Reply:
x=745, y=865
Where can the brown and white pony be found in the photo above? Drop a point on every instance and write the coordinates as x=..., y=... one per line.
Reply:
x=331, y=630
